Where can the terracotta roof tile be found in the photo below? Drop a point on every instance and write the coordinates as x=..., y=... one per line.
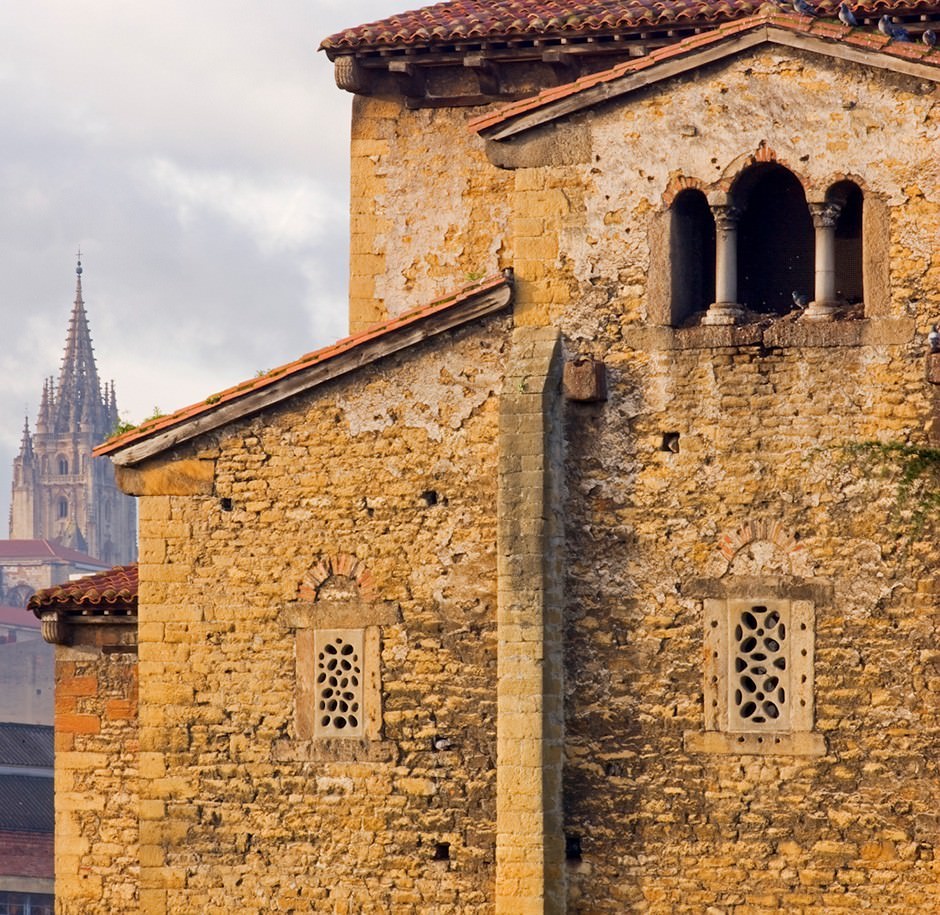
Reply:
x=44, y=550
x=317, y=357
x=115, y=589
x=459, y=20
x=820, y=28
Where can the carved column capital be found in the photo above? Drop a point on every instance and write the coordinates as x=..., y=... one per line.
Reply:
x=726, y=217
x=825, y=215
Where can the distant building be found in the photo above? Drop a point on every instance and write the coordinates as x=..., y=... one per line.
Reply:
x=60, y=492
x=27, y=566
x=26, y=820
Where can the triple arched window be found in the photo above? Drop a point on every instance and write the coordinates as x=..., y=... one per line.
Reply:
x=765, y=249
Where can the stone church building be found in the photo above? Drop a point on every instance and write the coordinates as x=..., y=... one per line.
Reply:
x=60, y=492
x=605, y=583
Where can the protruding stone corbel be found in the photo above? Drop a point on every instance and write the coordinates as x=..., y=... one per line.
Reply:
x=825, y=216
x=351, y=76
x=584, y=379
x=54, y=628
x=725, y=309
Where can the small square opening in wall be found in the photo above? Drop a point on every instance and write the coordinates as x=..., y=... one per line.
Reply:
x=670, y=442
x=339, y=683
x=442, y=851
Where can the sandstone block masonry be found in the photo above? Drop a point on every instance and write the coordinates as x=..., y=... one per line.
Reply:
x=97, y=861
x=677, y=628
x=383, y=495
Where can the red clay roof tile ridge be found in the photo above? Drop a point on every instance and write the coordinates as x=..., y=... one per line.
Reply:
x=116, y=585
x=443, y=23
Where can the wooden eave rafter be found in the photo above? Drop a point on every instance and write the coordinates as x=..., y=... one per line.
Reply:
x=727, y=47
x=306, y=378
x=518, y=50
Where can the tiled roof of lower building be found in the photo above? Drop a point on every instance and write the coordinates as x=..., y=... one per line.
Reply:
x=44, y=550
x=491, y=20
x=17, y=616
x=113, y=591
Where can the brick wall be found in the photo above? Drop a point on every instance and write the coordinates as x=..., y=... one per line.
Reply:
x=26, y=854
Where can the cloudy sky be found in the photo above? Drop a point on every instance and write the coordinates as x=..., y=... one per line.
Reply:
x=196, y=150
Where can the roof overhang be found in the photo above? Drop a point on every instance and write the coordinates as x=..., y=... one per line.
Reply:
x=314, y=369
x=823, y=38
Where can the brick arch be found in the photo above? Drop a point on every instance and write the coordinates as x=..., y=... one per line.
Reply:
x=679, y=183
x=731, y=543
x=340, y=565
x=738, y=165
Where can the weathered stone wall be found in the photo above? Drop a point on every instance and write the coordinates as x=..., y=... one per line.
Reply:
x=96, y=848
x=721, y=463
x=428, y=212
x=760, y=420
x=382, y=488
x=761, y=438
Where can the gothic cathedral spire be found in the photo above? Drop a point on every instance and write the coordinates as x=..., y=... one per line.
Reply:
x=78, y=396
x=60, y=492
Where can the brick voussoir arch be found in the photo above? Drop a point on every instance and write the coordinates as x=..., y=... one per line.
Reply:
x=344, y=565
x=730, y=543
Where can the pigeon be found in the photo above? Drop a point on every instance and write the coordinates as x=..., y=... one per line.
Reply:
x=846, y=16
x=933, y=339
x=894, y=32
x=800, y=299
x=442, y=743
x=929, y=38
x=805, y=8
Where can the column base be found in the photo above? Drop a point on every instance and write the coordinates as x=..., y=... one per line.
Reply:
x=723, y=313
x=820, y=311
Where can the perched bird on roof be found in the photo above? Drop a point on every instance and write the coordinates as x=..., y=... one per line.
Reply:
x=894, y=32
x=846, y=16
x=933, y=339
x=804, y=8
x=929, y=38
x=800, y=299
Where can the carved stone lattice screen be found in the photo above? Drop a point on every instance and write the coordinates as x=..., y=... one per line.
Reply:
x=339, y=683
x=759, y=674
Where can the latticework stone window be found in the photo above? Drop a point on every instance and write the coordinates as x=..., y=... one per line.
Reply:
x=760, y=697
x=758, y=677
x=339, y=695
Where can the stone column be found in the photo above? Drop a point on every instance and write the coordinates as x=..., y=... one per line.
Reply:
x=725, y=309
x=530, y=847
x=825, y=216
